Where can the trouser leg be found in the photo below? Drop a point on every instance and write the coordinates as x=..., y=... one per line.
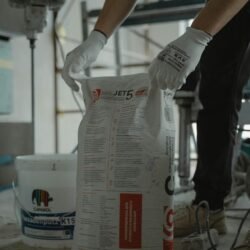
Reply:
x=220, y=95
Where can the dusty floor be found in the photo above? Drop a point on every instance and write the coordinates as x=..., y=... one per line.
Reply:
x=10, y=233
x=233, y=221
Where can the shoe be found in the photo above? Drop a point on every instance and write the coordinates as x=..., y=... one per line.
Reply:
x=245, y=244
x=185, y=220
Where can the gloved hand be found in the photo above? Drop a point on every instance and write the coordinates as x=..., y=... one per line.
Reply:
x=171, y=67
x=81, y=57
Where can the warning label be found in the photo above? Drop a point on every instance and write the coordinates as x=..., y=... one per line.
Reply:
x=130, y=220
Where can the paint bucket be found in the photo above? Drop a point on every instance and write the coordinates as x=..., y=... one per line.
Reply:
x=45, y=199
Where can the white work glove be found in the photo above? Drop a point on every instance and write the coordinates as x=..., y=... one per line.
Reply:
x=171, y=67
x=81, y=57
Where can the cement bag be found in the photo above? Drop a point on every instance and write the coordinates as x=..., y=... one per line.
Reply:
x=125, y=166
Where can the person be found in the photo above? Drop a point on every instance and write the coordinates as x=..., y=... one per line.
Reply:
x=216, y=40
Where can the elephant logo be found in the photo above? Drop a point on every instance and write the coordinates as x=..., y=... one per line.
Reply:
x=40, y=197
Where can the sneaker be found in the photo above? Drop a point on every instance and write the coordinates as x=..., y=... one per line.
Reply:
x=245, y=244
x=185, y=220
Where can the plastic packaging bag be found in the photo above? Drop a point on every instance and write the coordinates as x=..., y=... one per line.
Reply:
x=125, y=166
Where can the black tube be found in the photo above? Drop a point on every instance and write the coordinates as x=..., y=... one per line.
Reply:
x=56, y=132
x=32, y=48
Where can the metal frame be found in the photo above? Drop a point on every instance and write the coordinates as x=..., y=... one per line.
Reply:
x=158, y=12
x=161, y=11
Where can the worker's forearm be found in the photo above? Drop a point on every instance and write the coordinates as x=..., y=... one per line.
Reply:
x=216, y=14
x=113, y=14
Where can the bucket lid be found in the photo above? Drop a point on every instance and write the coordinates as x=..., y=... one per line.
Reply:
x=41, y=161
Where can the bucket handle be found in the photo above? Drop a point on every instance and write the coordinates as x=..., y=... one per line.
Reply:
x=18, y=205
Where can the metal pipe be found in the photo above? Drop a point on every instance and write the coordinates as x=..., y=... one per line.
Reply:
x=167, y=11
x=85, y=28
x=184, y=145
x=158, y=13
x=184, y=101
x=56, y=133
x=32, y=48
x=129, y=65
x=72, y=111
x=117, y=53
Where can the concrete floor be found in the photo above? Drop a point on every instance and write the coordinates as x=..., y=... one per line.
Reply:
x=233, y=217
x=233, y=221
x=10, y=233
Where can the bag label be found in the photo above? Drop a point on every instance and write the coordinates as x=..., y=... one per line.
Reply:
x=130, y=220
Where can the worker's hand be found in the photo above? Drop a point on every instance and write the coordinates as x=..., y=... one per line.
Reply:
x=81, y=57
x=171, y=67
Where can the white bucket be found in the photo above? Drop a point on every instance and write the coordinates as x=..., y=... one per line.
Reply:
x=46, y=199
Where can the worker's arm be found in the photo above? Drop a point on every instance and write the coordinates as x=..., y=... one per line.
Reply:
x=113, y=14
x=216, y=14
x=180, y=57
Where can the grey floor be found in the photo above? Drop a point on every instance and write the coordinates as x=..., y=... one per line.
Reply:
x=233, y=219
x=10, y=233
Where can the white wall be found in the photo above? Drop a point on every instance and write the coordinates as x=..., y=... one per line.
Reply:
x=70, y=26
x=44, y=75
